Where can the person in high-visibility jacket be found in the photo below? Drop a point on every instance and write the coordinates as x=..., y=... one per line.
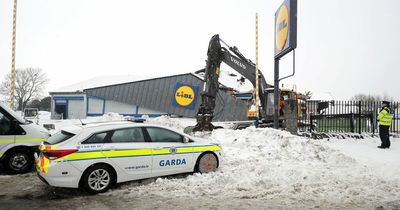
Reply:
x=384, y=121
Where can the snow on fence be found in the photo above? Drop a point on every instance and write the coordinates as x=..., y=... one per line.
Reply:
x=345, y=117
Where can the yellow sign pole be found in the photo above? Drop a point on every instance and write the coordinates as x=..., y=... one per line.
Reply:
x=13, y=55
x=257, y=91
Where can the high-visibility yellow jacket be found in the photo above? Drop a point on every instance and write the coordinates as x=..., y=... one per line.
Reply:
x=384, y=117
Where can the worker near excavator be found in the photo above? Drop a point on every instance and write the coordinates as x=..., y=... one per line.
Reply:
x=281, y=104
x=384, y=121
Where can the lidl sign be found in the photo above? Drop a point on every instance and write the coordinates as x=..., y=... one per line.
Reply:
x=286, y=28
x=185, y=95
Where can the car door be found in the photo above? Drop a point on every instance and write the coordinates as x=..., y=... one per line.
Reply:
x=170, y=154
x=10, y=129
x=129, y=151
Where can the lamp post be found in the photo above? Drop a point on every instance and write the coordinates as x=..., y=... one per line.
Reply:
x=257, y=76
x=13, y=55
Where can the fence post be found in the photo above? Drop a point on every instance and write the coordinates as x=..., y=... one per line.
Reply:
x=359, y=117
x=374, y=118
x=371, y=118
x=311, y=122
x=352, y=122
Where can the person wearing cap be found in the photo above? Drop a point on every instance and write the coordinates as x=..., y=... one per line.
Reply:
x=385, y=120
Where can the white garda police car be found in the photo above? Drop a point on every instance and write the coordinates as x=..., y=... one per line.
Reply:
x=98, y=155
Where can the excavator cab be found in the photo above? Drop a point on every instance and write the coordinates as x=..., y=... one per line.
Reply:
x=284, y=95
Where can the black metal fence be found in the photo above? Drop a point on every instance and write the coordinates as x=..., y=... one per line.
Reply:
x=345, y=116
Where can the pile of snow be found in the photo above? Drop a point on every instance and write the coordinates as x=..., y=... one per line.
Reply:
x=175, y=123
x=110, y=116
x=270, y=166
x=59, y=124
x=45, y=115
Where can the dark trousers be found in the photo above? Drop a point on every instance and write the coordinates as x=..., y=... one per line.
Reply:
x=384, y=135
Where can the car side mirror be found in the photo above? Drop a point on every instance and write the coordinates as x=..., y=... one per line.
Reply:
x=186, y=139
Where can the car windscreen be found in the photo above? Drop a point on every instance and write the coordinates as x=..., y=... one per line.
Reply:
x=12, y=113
x=59, y=137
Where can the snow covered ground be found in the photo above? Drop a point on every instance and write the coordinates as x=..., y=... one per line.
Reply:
x=287, y=171
x=265, y=169
x=384, y=163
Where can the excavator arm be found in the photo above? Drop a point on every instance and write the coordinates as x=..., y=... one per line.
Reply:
x=247, y=69
x=210, y=89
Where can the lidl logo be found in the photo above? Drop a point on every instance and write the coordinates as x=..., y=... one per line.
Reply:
x=282, y=27
x=285, y=28
x=185, y=95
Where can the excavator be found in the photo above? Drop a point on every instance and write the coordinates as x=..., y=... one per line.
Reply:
x=233, y=58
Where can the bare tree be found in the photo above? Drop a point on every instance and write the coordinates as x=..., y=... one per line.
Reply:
x=29, y=84
x=308, y=94
x=371, y=98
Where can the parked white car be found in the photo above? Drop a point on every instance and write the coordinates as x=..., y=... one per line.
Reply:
x=19, y=139
x=98, y=155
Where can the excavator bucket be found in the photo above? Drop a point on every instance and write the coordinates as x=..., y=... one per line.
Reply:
x=203, y=124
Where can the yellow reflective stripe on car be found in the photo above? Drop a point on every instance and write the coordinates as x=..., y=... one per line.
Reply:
x=43, y=164
x=198, y=149
x=124, y=153
x=206, y=148
x=86, y=155
x=162, y=151
x=6, y=140
x=184, y=149
x=21, y=140
x=47, y=147
x=1, y=154
x=46, y=164
x=82, y=156
x=107, y=153
x=29, y=139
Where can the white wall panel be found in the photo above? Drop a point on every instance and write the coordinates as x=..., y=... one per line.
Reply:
x=76, y=109
x=95, y=106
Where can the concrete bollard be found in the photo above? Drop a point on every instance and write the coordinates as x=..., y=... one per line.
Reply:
x=290, y=115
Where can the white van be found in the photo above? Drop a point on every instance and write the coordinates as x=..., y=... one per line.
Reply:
x=19, y=139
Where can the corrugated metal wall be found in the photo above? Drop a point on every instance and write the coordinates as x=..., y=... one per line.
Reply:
x=158, y=94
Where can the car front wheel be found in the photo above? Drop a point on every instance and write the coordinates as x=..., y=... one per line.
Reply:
x=18, y=161
x=207, y=162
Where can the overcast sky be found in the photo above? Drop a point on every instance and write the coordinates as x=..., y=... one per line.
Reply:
x=344, y=47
